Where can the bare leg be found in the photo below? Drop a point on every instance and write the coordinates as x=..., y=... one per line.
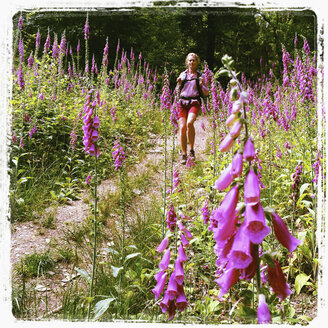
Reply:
x=191, y=129
x=183, y=134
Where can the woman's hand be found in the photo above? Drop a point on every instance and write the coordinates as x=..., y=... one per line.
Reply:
x=179, y=80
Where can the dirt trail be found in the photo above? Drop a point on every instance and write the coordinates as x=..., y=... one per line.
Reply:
x=28, y=237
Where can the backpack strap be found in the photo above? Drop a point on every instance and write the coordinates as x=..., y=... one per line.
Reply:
x=184, y=80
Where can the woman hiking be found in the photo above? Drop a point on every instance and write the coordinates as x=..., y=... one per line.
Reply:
x=192, y=88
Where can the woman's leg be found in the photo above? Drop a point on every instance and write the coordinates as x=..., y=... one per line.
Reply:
x=183, y=134
x=191, y=129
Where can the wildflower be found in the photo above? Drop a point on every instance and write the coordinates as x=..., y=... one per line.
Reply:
x=32, y=131
x=205, y=212
x=14, y=138
x=20, y=76
x=165, y=260
x=226, y=143
x=240, y=254
x=282, y=234
x=179, y=273
x=181, y=301
x=171, y=218
x=30, y=60
x=243, y=97
x=237, y=165
x=181, y=254
x=171, y=309
x=254, y=223
x=118, y=154
x=190, y=162
x=237, y=105
x=231, y=119
x=37, y=40
x=249, y=272
x=160, y=286
x=164, y=304
x=249, y=150
x=252, y=188
x=225, y=179
x=47, y=44
x=86, y=29
x=172, y=287
x=161, y=247
x=20, y=22
x=277, y=281
x=89, y=177
x=184, y=240
x=227, y=279
x=235, y=130
x=263, y=312
x=22, y=142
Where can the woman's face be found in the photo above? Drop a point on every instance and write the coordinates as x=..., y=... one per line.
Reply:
x=192, y=62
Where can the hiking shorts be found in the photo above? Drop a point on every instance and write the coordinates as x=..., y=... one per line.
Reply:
x=184, y=110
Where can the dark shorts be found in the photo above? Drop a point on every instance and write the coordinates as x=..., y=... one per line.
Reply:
x=183, y=110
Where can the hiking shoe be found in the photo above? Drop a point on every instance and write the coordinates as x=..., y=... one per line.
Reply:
x=192, y=153
x=184, y=159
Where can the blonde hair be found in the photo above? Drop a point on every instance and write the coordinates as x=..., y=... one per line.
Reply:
x=194, y=55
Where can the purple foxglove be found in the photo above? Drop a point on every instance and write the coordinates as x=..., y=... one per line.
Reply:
x=96, y=122
x=282, y=234
x=172, y=287
x=226, y=225
x=231, y=120
x=226, y=143
x=227, y=280
x=92, y=150
x=184, y=240
x=240, y=254
x=235, y=130
x=165, y=260
x=87, y=181
x=224, y=179
x=164, y=304
x=229, y=203
x=237, y=105
x=249, y=150
x=243, y=97
x=249, y=272
x=222, y=249
x=179, y=273
x=171, y=309
x=181, y=301
x=237, y=165
x=263, y=312
x=159, y=286
x=181, y=254
x=252, y=188
x=161, y=247
x=94, y=136
x=187, y=233
x=277, y=281
x=254, y=223
x=158, y=275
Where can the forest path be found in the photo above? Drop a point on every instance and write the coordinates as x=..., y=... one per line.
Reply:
x=31, y=236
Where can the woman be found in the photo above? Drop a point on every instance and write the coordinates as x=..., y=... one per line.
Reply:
x=192, y=87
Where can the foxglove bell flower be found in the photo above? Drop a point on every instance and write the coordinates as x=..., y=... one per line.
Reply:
x=179, y=273
x=237, y=105
x=277, y=281
x=164, y=264
x=252, y=188
x=181, y=254
x=231, y=120
x=263, y=312
x=227, y=280
x=226, y=225
x=226, y=143
x=164, y=304
x=172, y=287
x=237, y=165
x=181, y=301
x=235, y=130
x=224, y=179
x=254, y=223
x=229, y=203
x=240, y=254
x=159, y=286
x=249, y=272
x=282, y=234
x=162, y=246
x=249, y=150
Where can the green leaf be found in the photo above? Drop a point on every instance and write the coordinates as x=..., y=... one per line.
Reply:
x=130, y=256
x=116, y=270
x=300, y=281
x=303, y=188
x=84, y=274
x=268, y=259
x=102, y=306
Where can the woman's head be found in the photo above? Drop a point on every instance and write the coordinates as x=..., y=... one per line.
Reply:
x=194, y=56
